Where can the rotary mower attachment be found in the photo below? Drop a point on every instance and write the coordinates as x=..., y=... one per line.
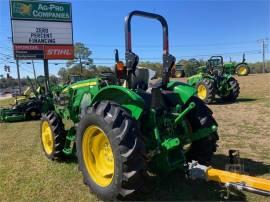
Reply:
x=232, y=180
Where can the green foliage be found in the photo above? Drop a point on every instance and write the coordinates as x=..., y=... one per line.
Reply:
x=82, y=55
x=54, y=80
x=257, y=67
x=85, y=72
x=190, y=66
x=11, y=82
x=81, y=65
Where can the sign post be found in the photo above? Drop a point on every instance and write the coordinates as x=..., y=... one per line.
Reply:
x=19, y=77
x=42, y=30
x=46, y=74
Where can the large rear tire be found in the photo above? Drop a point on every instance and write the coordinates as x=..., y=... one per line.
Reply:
x=234, y=92
x=201, y=117
x=52, y=136
x=110, y=151
x=206, y=90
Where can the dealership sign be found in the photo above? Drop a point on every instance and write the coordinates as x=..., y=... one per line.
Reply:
x=48, y=25
x=39, y=10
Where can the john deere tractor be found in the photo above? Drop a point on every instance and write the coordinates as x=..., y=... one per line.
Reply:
x=241, y=69
x=27, y=107
x=120, y=130
x=212, y=81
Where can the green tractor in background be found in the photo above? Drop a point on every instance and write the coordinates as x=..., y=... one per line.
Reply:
x=212, y=80
x=121, y=132
x=178, y=71
x=241, y=69
x=27, y=107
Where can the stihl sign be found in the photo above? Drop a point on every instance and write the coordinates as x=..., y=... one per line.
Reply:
x=31, y=52
x=58, y=52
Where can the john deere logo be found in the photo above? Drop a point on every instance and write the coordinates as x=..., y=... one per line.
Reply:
x=22, y=8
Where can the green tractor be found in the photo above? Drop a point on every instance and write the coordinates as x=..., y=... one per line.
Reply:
x=212, y=81
x=27, y=107
x=120, y=134
x=241, y=69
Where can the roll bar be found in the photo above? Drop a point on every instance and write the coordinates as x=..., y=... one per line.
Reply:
x=132, y=59
x=217, y=56
x=146, y=15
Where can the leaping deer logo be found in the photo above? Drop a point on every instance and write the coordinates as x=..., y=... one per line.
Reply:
x=22, y=8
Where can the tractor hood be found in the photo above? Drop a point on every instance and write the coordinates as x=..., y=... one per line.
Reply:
x=81, y=84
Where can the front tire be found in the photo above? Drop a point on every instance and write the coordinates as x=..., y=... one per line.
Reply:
x=52, y=136
x=110, y=151
x=234, y=91
x=206, y=90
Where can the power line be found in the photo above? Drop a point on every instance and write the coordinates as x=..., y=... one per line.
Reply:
x=250, y=52
x=173, y=45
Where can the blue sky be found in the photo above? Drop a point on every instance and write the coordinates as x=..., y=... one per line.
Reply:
x=196, y=29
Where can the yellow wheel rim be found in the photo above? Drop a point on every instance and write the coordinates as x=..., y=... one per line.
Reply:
x=242, y=70
x=178, y=74
x=33, y=114
x=202, y=92
x=98, y=156
x=47, y=137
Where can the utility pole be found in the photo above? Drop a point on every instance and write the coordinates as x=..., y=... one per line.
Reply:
x=264, y=44
x=80, y=57
x=263, y=55
x=81, y=64
x=34, y=71
x=19, y=77
x=46, y=73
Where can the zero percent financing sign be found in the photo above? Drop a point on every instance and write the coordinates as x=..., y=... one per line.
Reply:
x=41, y=29
x=41, y=32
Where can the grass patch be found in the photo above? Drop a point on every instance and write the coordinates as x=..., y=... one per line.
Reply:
x=7, y=102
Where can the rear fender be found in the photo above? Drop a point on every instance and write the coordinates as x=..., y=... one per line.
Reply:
x=184, y=90
x=124, y=97
x=241, y=63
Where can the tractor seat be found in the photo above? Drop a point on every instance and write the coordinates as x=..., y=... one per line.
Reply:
x=157, y=83
x=159, y=98
x=140, y=79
